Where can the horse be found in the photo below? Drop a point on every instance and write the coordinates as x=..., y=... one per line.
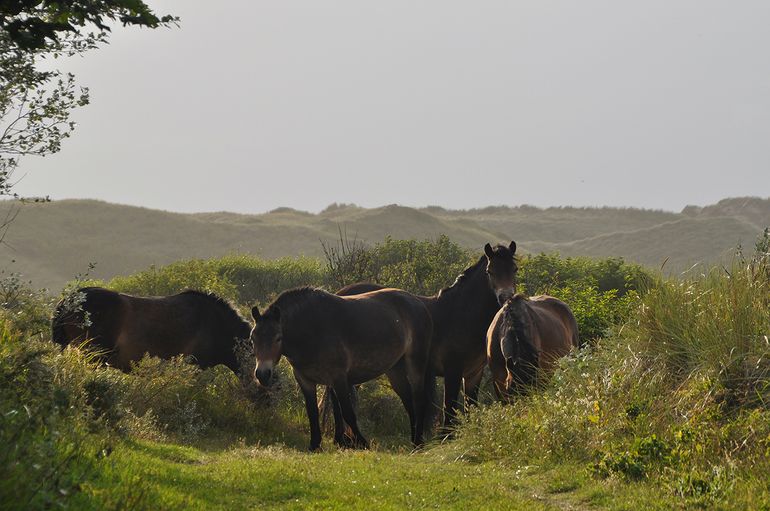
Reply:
x=526, y=339
x=461, y=315
x=123, y=328
x=341, y=341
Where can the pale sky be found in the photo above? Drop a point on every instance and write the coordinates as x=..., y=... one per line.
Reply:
x=251, y=105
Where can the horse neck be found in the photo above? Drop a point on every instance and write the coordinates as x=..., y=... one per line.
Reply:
x=472, y=293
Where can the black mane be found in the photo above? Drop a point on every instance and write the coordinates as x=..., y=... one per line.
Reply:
x=292, y=299
x=223, y=304
x=515, y=318
x=462, y=277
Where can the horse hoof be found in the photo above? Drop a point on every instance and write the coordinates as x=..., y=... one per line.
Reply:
x=345, y=442
x=314, y=448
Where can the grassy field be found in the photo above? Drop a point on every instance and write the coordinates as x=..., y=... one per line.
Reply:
x=666, y=407
x=279, y=477
x=52, y=242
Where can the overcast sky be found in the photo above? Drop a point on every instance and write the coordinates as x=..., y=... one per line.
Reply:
x=251, y=105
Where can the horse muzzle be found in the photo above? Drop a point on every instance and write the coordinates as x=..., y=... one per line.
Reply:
x=263, y=374
x=503, y=295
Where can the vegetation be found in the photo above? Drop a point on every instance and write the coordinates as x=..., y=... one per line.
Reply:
x=677, y=398
x=666, y=407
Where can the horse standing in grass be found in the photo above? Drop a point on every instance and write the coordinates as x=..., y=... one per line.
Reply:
x=125, y=328
x=525, y=340
x=461, y=315
x=343, y=341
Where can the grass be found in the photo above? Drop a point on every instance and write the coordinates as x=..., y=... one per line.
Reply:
x=278, y=477
x=666, y=408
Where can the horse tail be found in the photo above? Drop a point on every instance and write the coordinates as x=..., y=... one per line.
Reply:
x=577, y=341
x=58, y=334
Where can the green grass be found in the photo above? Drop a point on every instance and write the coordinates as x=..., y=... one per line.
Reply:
x=277, y=477
x=667, y=408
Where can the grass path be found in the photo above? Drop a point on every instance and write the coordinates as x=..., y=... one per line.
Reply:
x=165, y=476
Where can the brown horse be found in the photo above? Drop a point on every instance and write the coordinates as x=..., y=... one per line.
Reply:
x=126, y=327
x=461, y=315
x=343, y=341
x=525, y=340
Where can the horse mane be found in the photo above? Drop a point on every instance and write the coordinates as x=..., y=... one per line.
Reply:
x=293, y=299
x=515, y=318
x=223, y=304
x=500, y=250
x=462, y=277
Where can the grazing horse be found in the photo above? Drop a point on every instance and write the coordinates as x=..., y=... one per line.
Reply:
x=461, y=315
x=126, y=327
x=526, y=338
x=344, y=341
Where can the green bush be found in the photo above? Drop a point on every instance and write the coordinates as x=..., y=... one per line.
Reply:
x=544, y=273
x=46, y=447
x=174, y=278
x=420, y=267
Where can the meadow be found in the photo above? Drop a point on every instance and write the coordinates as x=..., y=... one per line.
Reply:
x=665, y=407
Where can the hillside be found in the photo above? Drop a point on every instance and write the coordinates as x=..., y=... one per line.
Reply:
x=50, y=243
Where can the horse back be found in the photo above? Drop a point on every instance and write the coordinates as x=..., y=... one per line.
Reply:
x=390, y=304
x=553, y=325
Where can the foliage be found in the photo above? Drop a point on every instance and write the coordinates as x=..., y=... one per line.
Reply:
x=37, y=25
x=25, y=309
x=670, y=400
x=602, y=293
x=420, y=267
x=543, y=273
x=42, y=428
x=35, y=104
x=174, y=278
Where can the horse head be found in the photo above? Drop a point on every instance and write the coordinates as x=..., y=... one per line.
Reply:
x=501, y=270
x=267, y=338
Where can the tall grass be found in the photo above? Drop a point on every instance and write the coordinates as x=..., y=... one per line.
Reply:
x=678, y=396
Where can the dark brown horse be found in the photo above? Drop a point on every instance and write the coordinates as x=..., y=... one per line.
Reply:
x=127, y=327
x=343, y=341
x=461, y=315
x=526, y=339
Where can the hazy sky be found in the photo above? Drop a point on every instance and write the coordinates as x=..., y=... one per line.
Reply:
x=252, y=105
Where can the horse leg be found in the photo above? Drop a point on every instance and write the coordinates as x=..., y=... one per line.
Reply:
x=340, y=438
x=452, y=383
x=415, y=371
x=342, y=390
x=471, y=386
x=400, y=384
x=311, y=407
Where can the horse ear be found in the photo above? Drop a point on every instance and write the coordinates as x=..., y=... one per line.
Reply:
x=255, y=313
x=488, y=250
x=512, y=247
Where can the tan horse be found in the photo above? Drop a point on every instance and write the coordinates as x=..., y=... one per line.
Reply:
x=525, y=340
